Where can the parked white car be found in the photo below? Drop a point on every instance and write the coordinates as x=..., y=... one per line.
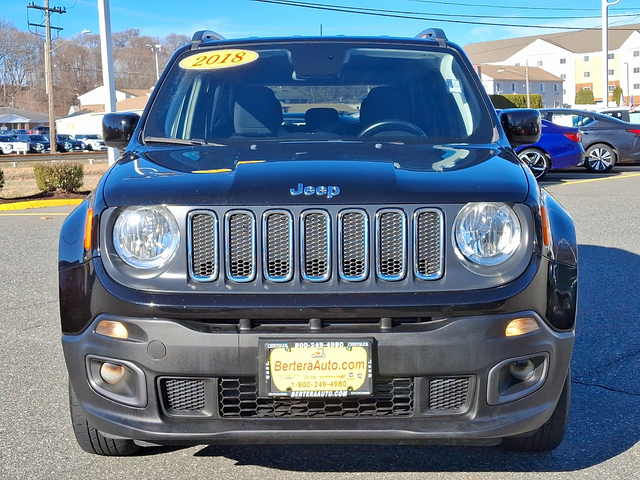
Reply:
x=91, y=141
x=6, y=144
x=10, y=144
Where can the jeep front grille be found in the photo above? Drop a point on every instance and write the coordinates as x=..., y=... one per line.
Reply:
x=203, y=245
x=277, y=241
x=316, y=245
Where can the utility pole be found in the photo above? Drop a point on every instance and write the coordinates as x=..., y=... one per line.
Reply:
x=47, y=60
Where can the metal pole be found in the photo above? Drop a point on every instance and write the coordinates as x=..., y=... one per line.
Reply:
x=49, y=81
x=526, y=76
x=107, y=62
x=628, y=90
x=157, y=69
x=605, y=51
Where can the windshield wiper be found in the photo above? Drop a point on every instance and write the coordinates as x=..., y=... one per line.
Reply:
x=175, y=141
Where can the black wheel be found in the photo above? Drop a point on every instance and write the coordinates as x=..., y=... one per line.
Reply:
x=88, y=147
x=392, y=126
x=90, y=439
x=549, y=436
x=537, y=161
x=599, y=158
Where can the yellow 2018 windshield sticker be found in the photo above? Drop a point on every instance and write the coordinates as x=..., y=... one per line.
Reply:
x=218, y=59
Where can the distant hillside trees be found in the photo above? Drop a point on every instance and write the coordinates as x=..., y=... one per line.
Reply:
x=76, y=65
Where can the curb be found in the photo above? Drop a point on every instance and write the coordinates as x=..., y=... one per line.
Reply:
x=39, y=204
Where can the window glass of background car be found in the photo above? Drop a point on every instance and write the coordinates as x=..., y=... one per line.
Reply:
x=565, y=120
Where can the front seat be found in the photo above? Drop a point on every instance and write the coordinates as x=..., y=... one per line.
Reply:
x=256, y=112
x=383, y=104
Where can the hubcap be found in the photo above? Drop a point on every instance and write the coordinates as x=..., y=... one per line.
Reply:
x=536, y=161
x=600, y=158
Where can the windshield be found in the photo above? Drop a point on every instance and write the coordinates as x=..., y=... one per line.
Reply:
x=320, y=91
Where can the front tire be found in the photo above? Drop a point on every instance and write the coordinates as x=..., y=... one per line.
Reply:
x=600, y=158
x=549, y=436
x=537, y=161
x=90, y=439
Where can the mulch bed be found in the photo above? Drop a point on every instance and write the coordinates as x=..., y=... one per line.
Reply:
x=45, y=196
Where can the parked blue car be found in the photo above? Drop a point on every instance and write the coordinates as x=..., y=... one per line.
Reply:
x=558, y=147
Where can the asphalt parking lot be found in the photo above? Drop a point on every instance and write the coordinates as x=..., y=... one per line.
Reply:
x=602, y=442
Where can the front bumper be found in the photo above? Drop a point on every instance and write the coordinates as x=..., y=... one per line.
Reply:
x=221, y=360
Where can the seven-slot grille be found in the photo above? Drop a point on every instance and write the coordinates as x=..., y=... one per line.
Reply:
x=308, y=244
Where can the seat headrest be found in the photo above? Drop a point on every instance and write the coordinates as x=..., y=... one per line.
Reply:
x=322, y=119
x=385, y=103
x=256, y=112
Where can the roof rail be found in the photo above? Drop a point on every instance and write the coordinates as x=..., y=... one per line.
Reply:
x=435, y=33
x=202, y=35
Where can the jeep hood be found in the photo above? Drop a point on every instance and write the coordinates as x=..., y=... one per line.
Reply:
x=296, y=174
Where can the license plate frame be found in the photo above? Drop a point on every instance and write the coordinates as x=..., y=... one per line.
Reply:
x=316, y=368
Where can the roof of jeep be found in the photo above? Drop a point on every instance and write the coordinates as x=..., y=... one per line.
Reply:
x=206, y=38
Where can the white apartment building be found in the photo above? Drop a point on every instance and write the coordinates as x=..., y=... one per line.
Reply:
x=575, y=57
x=507, y=80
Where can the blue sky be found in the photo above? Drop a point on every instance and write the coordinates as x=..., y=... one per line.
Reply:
x=244, y=18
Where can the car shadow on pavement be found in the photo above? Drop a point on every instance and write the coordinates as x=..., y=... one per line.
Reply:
x=605, y=407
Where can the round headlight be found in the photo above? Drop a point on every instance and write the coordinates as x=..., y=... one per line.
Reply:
x=487, y=233
x=146, y=237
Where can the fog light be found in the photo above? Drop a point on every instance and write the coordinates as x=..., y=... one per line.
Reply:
x=112, y=329
x=112, y=373
x=522, y=370
x=520, y=326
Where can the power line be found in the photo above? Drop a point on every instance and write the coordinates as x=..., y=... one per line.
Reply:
x=422, y=16
x=456, y=4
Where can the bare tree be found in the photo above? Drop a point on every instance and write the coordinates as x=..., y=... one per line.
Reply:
x=76, y=65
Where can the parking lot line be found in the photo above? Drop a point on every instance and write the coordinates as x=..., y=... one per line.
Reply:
x=599, y=179
x=40, y=214
x=39, y=204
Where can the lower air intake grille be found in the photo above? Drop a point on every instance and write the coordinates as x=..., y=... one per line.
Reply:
x=238, y=398
x=182, y=395
x=448, y=393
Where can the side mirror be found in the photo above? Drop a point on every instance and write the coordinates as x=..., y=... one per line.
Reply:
x=118, y=128
x=522, y=125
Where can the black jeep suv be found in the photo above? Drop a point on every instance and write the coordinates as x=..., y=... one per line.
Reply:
x=318, y=240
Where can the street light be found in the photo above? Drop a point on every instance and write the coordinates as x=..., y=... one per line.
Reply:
x=628, y=91
x=156, y=49
x=49, y=82
x=605, y=51
x=526, y=79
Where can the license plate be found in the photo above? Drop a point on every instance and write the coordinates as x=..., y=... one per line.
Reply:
x=317, y=368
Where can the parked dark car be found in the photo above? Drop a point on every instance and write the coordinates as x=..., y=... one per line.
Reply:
x=38, y=144
x=606, y=140
x=39, y=130
x=624, y=114
x=402, y=278
x=558, y=147
x=66, y=143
